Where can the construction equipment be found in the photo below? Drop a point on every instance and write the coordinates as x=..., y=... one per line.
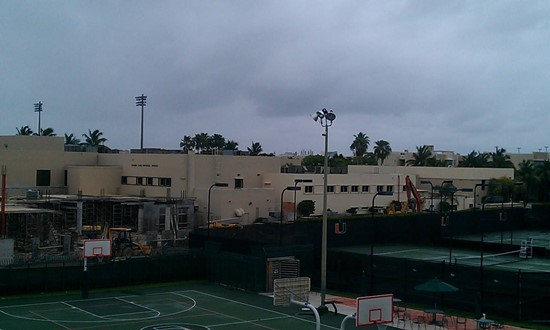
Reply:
x=412, y=190
x=124, y=246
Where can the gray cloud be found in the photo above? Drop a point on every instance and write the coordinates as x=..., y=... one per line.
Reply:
x=460, y=75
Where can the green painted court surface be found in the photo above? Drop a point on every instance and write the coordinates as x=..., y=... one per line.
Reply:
x=185, y=306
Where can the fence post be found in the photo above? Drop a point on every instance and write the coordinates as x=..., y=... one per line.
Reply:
x=519, y=294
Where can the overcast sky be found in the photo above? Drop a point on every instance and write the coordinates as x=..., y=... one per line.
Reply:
x=461, y=75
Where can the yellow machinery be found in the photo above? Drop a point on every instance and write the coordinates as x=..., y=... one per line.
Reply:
x=123, y=245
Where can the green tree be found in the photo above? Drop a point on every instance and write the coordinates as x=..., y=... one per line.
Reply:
x=24, y=130
x=255, y=149
x=201, y=142
x=187, y=143
x=475, y=159
x=47, y=132
x=94, y=139
x=71, y=139
x=306, y=207
x=216, y=142
x=311, y=161
x=421, y=156
x=499, y=159
x=543, y=173
x=382, y=150
x=231, y=145
x=360, y=145
x=527, y=174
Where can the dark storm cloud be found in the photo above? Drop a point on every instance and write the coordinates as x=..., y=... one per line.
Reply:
x=460, y=75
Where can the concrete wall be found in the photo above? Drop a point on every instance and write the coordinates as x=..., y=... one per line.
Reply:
x=94, y=180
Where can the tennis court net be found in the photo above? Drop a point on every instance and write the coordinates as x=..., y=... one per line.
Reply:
x=491, y=259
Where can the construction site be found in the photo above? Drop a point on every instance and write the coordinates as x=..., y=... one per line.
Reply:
x=50, y=226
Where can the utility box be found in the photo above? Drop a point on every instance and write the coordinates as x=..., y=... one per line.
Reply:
x=283, y=267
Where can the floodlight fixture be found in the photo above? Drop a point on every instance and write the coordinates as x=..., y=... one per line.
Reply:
x=38, y=108
x=141, y=101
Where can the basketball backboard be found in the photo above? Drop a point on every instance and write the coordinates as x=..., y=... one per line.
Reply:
x=374, y=310
x=97, y=248
x=287, y=289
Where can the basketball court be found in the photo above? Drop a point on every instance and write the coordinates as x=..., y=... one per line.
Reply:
x=188, y=306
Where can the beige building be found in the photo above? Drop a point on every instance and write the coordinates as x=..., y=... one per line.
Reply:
x=254, y=184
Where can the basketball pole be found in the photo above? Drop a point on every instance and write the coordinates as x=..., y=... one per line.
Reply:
x=85, y=284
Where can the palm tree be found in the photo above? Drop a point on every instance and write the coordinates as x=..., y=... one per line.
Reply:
x=94, y=138
x=71, y=139
x=475, y=159
x=231, y=145
x=255, y=149
x=382, y=150
x=47, y=132
x=360, y=145
x=24, y=130
x=421, y=157
x=216, y=142
x=201, y=142
x=499, y=159
x=187, y=143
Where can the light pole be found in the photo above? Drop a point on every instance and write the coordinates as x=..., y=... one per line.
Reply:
x=140, y=102
x=295, y=188
x=449, y=221
x=431, y=195
x=38, y=108
x=325, y=118
x=371, y=266
x=296, y=181
x=217, y=184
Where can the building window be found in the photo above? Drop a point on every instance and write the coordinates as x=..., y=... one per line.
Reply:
x=308, y=189
x=354, y=189
x=124, y=180
x=139, y=181
x=330, y=189
x=379, y=188
x=42, y=178
x=149, y=181
x=389, y=188
x=365, y=189
x=343, y=189
x=404, y=188
x=239, y=183
x=165, y=182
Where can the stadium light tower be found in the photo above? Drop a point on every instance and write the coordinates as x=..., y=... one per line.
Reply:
x=38, y=108
x=140, y=102
x=325, y=118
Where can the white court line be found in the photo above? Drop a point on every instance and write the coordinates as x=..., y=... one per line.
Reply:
x=101, y=319
x=82, y=310
x=260, y=308
x=250, y=321
x=141, y=306
x=395, y=252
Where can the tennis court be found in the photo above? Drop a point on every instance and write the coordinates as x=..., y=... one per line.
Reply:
x=507, y=260
x=195, y=306
x=541, y=238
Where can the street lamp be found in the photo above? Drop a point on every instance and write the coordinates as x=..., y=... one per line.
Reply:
x=381, y=193
x=38, y=108
x=281, y=222
x=432, y=193
x=140, y=102
x=325, y=118
x=296, y=181
x=217, y=184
